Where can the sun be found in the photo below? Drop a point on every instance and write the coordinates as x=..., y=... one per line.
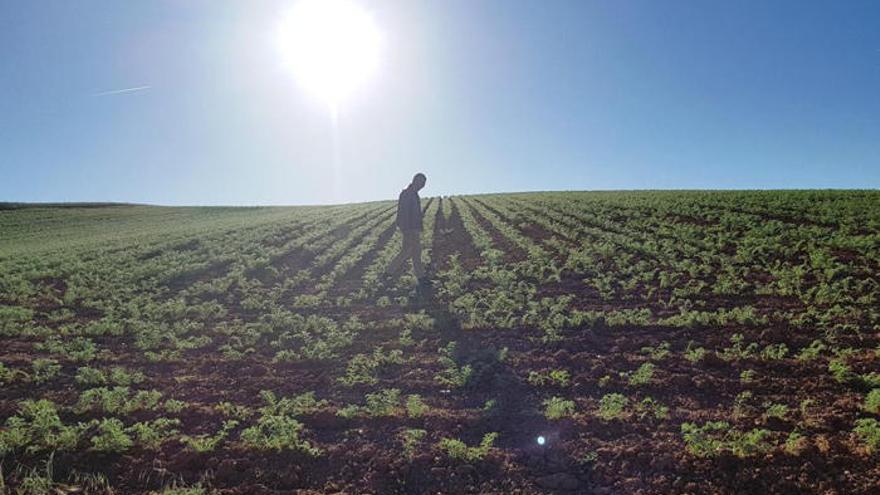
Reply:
x=331, y=47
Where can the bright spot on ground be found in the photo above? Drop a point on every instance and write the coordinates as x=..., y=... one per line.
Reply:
x=541, y=440
x=331, y=46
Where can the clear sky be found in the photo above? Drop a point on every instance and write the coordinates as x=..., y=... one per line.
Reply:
x=481, y=95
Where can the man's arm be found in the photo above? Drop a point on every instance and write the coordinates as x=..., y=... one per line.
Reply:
x=403, y=213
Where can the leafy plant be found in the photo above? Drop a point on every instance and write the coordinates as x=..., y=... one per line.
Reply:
x=715, y=437
x=111, y=437
x=559, y=378
x=415, y=407
x=411, y=439
x=841, y=371
x=612, y=406
x=741, y=404
x=658, y=352
x=363, y=368
x=386, y=402
x=151, y=434
x=774, y=352
x=304, y=403
x=812, y=351
x=277, y=432
x=650, y=407
x=694, y=354
x=452, y=375
x=43, y=370
x=738, y=350
x=207, y=443
x=458, y=450
x=868, y=431
x=776, y=410
x=558, y=408
x=36, y=428
x=117, y=400
x=643, y=375
x=795, y=443
x=872, y=401
x=174, y=406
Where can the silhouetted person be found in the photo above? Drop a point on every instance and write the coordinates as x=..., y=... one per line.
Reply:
x=409, y=221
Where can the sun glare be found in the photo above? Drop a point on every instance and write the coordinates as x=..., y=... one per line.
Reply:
x=331, y=47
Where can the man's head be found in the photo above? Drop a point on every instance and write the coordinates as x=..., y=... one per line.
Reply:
x=418, y=181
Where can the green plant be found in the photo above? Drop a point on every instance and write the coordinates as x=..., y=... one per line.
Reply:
x=37, y=428
x=111, y=437
x=643, y=375
x=77, y=349
x=748, y=443
x=411, y=439
x=747, y=376
x=277, y=432
x=774, y=352
x=612, y=406
x=776, y=411
x=741, y=404
x=650, y=407
x=560, y=378
x=868, y=431
x=117, y=400
x=174, y=406
x=363, y=368
x=738, y=350
x=658, y=352
x=385, y=402
x=231, y=410
x=415, y=407
x=452, y=375
x=871, y=380
x=304, y=403
x=715, y=437
x=151, y=434
x=43, y=370
x=458, y=450
x=703, y=441
x=38, y=483
x=812, y=351
x=872, y=401
x=123, y=377
x=558, y=408
x=795, y=443
x=694, y=354
x=207, y=443
x=90, y=377
x=841, y=371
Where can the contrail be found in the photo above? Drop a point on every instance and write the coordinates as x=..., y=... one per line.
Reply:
x=120, y=91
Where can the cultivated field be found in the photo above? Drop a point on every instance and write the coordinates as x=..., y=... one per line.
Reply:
x=657, y=342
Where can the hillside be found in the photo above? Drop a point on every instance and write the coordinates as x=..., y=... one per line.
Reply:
x=582, y=342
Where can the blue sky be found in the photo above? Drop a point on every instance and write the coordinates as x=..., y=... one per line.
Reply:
x=482, y=96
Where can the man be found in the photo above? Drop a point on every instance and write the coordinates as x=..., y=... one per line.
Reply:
x=409, y=221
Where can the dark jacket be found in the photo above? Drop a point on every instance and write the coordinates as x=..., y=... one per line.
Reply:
x=409, y=210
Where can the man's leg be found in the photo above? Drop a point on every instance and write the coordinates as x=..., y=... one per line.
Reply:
x=398, y=260
x=416, y=254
